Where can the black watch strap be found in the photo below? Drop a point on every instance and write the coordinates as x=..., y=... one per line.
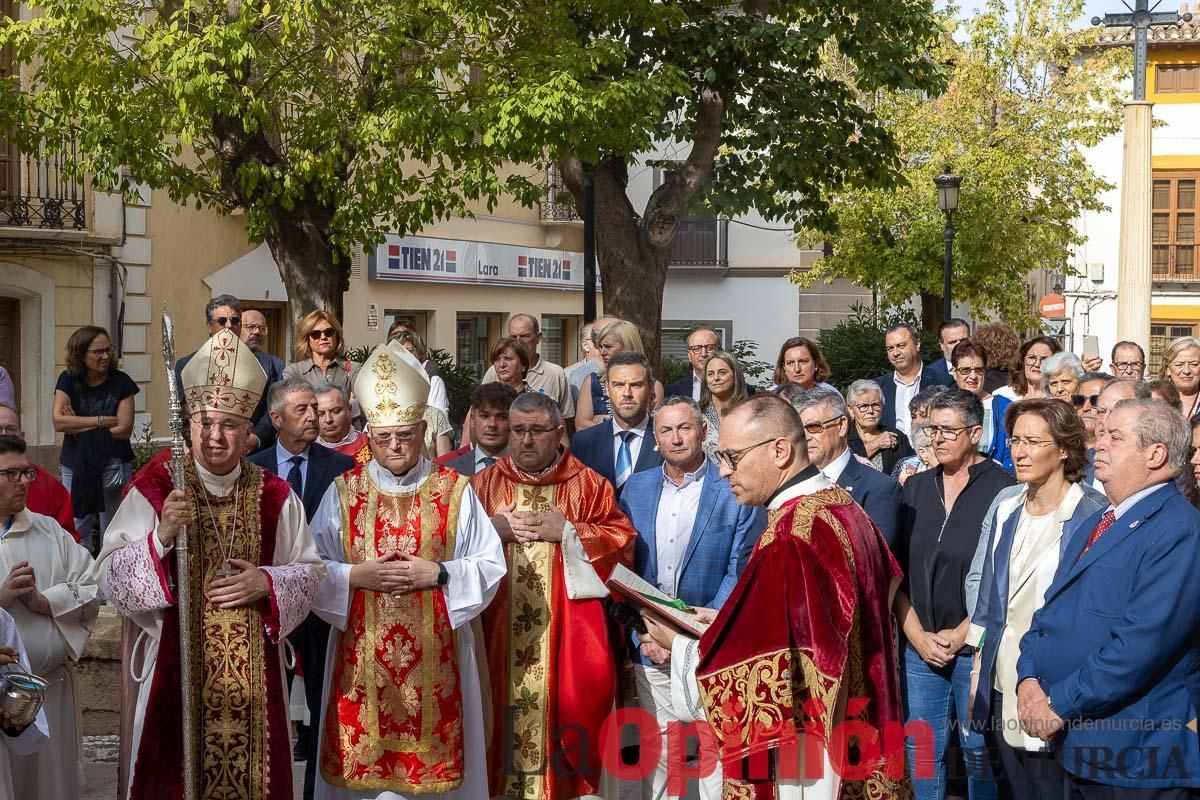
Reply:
x=443, y=575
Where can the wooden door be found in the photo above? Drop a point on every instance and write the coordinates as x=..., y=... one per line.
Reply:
x=10, y=341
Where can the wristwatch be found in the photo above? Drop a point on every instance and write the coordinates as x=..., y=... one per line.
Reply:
x=443, y=575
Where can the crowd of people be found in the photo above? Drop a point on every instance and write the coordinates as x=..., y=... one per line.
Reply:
x=991, y=554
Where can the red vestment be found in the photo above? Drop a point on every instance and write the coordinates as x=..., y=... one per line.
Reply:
x=806, y=645
x=552, y=668
x=357, y=448
x=48, y=496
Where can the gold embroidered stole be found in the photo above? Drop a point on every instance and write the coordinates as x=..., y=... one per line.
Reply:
x=228, y=645
x=531, y=575
x=393, y=718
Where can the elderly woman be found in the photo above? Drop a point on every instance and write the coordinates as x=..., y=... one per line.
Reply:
x=801, y=362
x=1025, y=375
x=1181, y=365
x=918, y=410
x=1061, y=374
x=616, y=337
x=510, y=362
x=321, y=354
x=724, y=386
x=943, y=512
x=923, y=460
x=970, y=362
x=1025, y=533
x=883, y=446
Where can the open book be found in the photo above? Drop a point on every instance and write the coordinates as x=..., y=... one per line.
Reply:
x=628, y=587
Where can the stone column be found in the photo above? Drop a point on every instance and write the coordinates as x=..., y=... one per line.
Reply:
x=1134, y=273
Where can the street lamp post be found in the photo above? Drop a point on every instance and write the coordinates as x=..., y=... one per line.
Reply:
x=947, y=185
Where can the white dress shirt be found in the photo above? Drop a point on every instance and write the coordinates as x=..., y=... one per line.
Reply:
x=673, y=524
x=695, y=386
x=833, y=470
x=904, y=393
x=635, y=443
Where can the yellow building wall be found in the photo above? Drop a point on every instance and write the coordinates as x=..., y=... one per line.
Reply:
x=1175, y=53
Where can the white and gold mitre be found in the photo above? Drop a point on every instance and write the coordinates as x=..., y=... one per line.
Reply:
x=223, y=375
x=392, y=387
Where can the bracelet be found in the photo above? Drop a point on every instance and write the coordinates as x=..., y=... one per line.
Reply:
x=99, y=421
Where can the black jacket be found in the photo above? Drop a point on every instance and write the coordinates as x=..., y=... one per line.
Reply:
x=891, y=457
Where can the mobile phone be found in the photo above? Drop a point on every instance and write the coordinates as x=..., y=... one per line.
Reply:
x=1091, y=346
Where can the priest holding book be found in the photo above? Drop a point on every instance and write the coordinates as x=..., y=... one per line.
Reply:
x=782, y=667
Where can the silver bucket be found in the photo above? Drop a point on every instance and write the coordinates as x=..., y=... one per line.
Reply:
x=21, y=696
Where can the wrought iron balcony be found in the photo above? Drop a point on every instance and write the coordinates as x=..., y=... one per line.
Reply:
x=557, y=203
x=701, y=242
x=38, y=191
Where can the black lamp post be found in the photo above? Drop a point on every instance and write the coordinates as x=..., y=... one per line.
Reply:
x=947, y=185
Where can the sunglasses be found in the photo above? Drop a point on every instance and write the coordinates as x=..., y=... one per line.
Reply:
x=323, y=333
x=1078, y=400
x=228, y=322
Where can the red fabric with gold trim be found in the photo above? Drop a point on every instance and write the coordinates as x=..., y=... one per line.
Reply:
x=808, y=627
x=577, y=642
x=393, y=719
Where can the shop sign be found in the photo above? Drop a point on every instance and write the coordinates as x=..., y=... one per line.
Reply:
x=431, y=260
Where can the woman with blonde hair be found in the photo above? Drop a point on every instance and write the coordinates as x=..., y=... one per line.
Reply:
x=1181, y=365
x=616, y=337
x=321, y=354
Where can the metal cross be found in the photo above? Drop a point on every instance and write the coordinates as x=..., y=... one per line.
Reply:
x=1141, y=18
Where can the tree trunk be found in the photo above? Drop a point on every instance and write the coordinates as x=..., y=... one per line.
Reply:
x=931, y=311
x=314, y=273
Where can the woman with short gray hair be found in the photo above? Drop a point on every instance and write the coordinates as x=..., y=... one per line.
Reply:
x=883, y=446
x=1061, y=374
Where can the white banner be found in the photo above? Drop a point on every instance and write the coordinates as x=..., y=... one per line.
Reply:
x=429, y=260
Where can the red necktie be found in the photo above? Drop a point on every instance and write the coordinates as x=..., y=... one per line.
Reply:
x=1105, y=523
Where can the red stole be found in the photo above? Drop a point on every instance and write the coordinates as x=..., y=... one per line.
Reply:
x=238, y=671
x=551, y=664
x=806, y=644
x=394, y=716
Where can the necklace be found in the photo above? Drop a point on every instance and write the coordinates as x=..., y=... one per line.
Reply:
x=227, y=552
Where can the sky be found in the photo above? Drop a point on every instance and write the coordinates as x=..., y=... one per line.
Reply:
x=1092, y=8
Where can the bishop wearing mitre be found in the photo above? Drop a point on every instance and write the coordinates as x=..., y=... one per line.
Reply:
x=412, y=559
x=253, y=572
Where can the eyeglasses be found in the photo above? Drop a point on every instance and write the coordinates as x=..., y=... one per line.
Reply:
x=969, y=371
x=703, y=348
x=1128, y=366
x=1078, y=400
x=16, y=475
x=227, y=322
x=1035, y=361
x=536, y=433
x=401, y=438
x=816, y=427
x=256, y=328
x=865, y=408
x=226, y=427
x=322, y=333
x=1016, y=441
x=731, y=458
x=101, y=353
x=949, y=434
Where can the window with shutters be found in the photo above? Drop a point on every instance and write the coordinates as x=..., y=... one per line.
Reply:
x=1161, y=336
x=1177, y=79
x=1174, y=226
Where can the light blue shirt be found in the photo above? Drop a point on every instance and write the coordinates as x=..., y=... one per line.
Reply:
x=283, y=462
x=1134, y=499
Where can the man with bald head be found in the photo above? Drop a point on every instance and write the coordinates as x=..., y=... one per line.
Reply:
x=817, y=664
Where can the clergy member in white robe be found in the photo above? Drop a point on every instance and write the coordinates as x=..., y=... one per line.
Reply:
x=34, y=736
x=420, y=562
x=54, y=628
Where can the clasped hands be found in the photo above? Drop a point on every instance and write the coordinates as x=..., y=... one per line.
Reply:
x=529, y=526
x=395, y=573
x=21, y=584
x=1034, y=712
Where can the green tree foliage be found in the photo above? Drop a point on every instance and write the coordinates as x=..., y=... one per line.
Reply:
x=854, y=347
x=1026, y=98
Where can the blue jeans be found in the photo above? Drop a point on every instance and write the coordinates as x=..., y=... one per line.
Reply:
x=936, y=696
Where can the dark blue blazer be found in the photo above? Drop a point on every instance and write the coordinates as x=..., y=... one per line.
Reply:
x=260, y=419
x=711, y=561
x=887, y=386
x=1115, y=647
x=940, y=370
x=680, y=388
x=594, y=447
x=991, y=609
x=323, y=466
x=878, y=494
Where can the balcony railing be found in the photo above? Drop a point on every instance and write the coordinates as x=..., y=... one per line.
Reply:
x=38, y=191
x=701, y=242
x=557, y=203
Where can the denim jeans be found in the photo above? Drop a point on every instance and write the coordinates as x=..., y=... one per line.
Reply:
x=937, y=696
x=112, y=499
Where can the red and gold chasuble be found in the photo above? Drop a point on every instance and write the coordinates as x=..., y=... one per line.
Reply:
x=394, y=716
x=551, y=663
x=806, y=644
x=241, y=727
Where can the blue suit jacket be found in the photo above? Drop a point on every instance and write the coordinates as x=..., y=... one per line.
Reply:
x=939, y=370
x=878, y=494
x=720, y=533
x=594, y=447
x=1115, y=645
x=323, y=466
x=887, y=386
x=680, y=388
